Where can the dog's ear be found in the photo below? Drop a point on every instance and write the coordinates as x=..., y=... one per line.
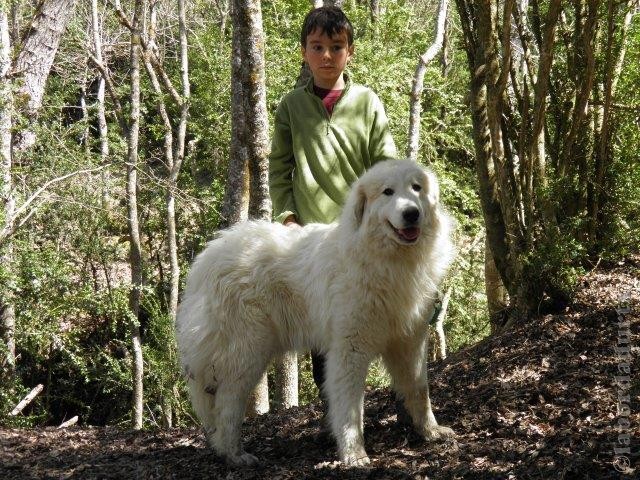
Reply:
x=433, y=189
x=360, y=204
x=354, y=208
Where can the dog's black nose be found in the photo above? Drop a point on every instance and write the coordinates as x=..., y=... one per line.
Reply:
x=411, y=215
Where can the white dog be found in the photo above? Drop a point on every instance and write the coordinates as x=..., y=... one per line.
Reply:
x=354, y=290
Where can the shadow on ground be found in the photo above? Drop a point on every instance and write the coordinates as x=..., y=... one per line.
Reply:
x=540, y=401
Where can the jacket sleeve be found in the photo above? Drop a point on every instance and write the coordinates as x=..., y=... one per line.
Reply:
x=381, y=144
x=281, y=165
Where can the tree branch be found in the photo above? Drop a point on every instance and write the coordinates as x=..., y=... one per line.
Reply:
x=418, y=81
x=153, y=58
x=23, y=210
x=506, y=46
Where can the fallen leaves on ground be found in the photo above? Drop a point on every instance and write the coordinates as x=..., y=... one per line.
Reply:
x=540, y=401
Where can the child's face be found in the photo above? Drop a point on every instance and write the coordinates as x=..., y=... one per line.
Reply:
x=327, y=58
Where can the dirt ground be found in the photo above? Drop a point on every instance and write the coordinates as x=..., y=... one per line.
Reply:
x=540, y=401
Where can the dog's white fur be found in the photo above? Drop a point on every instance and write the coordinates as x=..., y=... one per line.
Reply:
x=354, y=290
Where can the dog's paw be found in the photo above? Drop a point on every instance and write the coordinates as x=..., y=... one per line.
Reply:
x=355, y=459
x=243, y=459
x=437, y=432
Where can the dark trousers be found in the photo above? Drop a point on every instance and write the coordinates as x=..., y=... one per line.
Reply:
x=318, y=361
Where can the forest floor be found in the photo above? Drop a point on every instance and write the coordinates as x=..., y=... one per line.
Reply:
x=540, y=401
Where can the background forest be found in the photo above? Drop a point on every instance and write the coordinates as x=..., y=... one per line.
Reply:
x=532, y=124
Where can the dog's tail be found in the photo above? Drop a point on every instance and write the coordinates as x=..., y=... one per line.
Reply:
x=195, y=336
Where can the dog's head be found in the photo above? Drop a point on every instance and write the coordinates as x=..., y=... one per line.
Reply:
x=396, y=200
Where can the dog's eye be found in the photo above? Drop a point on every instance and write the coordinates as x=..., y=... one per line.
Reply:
x=388, y=192
x=416, y=187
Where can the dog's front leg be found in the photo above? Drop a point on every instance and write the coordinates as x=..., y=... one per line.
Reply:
x=346, y=371
x=406, y=361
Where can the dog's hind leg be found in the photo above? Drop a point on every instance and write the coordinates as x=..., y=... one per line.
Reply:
x=231, y=397
x=346, y=371
x=406, y=361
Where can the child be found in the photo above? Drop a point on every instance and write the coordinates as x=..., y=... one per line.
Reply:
x=326, y=133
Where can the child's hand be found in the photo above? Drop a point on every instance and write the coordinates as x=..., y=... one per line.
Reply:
x=290, y=220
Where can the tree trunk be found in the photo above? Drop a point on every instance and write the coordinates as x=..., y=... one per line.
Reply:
x=286, y=382
x=254, y=101
x=100, y=94
x=256, y=122
x=178, y=158
x=497, y=301
x=86, y=133
x=174, y=152
x=258, y=403
x=602, y=149
x=235, y=204
x=587, y=69
x=134, y=229
x=485, y=169
x=7, y=312
x=249, y=41
x=415, y=105
x=537, y=153
x=440, y=349
x=374, y=8
x=36, y=57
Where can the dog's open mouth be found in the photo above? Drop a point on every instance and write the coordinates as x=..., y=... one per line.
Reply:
x=408, y=235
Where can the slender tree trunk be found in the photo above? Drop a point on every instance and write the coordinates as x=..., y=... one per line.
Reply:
x=7, y=322
x=495, y=79
x=440, y=350
x=100, y=94
x=36, y=57
x=174, y=171
x=374, y=7
x=497, y=191
x=169, y=197
x=537, y=153
x=235, y=204
x=86, y=135
x=445, y=67
x=587, y=74
x=7, y=311
x=134, y=228
x=602, y=149
x=178, y=158
x=415, y=105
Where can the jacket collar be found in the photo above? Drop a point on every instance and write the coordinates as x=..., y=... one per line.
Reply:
x=347, y=84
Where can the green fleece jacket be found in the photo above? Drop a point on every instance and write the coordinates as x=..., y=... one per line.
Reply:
x=316, y=157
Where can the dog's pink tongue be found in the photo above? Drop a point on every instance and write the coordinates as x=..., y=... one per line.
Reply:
x=409, y=234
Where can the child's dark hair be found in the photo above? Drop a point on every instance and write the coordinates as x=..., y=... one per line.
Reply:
x=330, y=20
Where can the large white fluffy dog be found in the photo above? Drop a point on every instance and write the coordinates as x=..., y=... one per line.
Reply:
x=354, y=290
